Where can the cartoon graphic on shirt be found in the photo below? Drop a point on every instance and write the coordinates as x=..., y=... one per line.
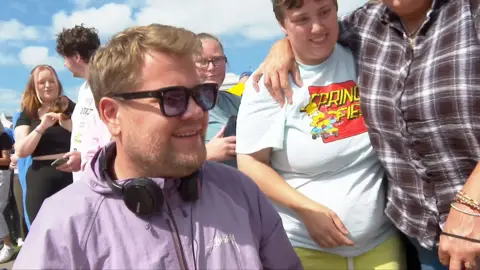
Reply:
x=335, y=111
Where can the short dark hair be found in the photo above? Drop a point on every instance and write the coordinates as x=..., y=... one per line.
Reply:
x=279, y=5
x=79, y=39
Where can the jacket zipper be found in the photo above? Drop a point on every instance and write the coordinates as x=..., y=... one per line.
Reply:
x=176, y=239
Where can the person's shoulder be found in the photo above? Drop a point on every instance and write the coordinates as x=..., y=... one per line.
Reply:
x=361, y=15
x=258, y=100
x=343, y=53
x=23, y=119
x=370, y=8
x=228, y=99
x=71, y=209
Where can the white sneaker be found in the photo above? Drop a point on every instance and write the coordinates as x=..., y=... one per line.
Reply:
x=6, y=253
x=19, y=242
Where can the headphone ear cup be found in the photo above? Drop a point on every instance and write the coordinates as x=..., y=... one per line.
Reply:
x=189, y=189
x=143, y=197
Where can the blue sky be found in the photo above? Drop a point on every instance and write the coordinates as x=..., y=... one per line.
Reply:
x=28, y=27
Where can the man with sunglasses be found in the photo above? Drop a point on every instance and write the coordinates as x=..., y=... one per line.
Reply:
x=150, y=200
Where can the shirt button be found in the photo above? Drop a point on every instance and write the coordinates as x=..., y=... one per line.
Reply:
x=147, y=227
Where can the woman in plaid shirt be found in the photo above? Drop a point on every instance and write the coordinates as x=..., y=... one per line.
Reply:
x=419, y=72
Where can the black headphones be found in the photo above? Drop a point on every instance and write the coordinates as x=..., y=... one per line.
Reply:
x=142, y=195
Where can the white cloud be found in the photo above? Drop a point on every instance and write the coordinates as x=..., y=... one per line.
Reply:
x=250, y=19
x=33, y=55
x=15, y=30
x=9, y=95
x=10, y=101
x=108, y=19
x=82, y=3
x=7, y=59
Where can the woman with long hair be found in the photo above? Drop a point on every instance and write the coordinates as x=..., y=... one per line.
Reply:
x=43, y=131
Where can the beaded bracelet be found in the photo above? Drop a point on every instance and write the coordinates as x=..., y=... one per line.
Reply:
x=464, y=199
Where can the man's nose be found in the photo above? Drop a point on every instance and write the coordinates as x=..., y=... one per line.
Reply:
x=193, y=110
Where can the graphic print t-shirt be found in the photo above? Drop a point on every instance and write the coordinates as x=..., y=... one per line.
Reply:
x=322, y=149
x=89, y=133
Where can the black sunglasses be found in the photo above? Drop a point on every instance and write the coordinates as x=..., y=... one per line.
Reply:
x=174, y=100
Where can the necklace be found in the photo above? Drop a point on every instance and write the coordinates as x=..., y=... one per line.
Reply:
x=412, y=35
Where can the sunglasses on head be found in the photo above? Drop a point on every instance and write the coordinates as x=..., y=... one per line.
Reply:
x=174, y=100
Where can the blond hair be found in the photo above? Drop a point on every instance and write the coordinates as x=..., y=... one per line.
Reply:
x=207, y=36
x=117, y=66
x=31, y=102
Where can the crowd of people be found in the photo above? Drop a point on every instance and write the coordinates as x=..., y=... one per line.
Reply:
x=354, y=145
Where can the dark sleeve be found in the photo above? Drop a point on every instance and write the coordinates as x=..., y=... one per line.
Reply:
x=476, y=17
x=348, y=34
x=23, y=120
x=5, y=142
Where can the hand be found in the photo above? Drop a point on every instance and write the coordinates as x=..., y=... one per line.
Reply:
x=457, y=253
x=275, y=68
x=74, y=163
x=48, y=120
x=325, y=227
x=13, y=162
x=221, y=149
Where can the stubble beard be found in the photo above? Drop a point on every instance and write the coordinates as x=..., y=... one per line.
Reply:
x=159, y=161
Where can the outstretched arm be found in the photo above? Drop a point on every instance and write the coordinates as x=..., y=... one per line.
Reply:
x=276, y=67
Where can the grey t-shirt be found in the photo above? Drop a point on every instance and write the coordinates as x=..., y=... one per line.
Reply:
x=227, y=105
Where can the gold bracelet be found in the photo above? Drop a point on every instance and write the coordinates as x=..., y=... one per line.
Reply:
x=465, y=212
x=464, y=199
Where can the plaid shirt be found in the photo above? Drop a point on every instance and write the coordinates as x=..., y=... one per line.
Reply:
x=421, y=102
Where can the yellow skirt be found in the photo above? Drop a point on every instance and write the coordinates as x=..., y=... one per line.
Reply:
x=389, y=255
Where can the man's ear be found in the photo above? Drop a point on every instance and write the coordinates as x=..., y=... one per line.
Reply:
x=108, y=110
x=77, y=58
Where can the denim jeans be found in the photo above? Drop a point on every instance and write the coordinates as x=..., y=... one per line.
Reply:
x=428, y=258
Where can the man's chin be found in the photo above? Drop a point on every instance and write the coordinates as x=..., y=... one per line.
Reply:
x=186, y=168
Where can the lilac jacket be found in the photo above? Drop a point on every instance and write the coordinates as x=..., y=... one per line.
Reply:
x=87, y=226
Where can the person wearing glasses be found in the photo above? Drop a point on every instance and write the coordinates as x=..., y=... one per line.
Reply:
x=212, y=67
x=150, y=200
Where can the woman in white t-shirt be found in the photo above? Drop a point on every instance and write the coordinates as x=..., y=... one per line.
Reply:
x=313, y=157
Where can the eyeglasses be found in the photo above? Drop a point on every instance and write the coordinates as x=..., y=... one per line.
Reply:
x=174, y=100
x=216, y=61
